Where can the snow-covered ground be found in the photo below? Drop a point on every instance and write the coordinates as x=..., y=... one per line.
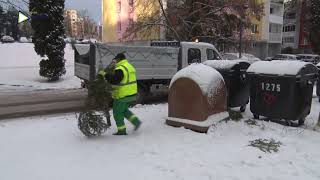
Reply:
x=19, y=69
x=52, y=148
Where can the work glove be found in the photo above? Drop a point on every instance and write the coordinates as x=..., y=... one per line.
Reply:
x=102, y=73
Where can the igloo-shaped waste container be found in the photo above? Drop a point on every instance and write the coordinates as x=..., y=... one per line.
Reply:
x=235, y=77
x=197, y=98
x=282, y=89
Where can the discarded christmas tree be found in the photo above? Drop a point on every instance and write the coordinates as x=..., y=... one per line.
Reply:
x=95, y=119
x=47, y=23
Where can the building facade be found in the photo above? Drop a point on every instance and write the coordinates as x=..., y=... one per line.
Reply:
x=71, y=22
x=117, y=15
x=295, y=35
x=266, y=33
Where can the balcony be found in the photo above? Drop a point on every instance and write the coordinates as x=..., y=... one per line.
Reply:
x=276, y=19
x=275, y=37
x=276, y=12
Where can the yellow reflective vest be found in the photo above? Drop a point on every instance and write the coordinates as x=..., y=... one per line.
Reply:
x=128, y=85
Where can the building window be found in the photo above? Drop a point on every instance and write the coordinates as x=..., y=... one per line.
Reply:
x=119, y=24
x=275, y=28
x=288, y=39
x=271, y=10
x=131, y=3
x=291, y=16
x=306, y=41
x=119, y=6
x=254, y=28
x=289, y=28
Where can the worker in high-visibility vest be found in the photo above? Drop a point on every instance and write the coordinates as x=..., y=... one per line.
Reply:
x=124, y=91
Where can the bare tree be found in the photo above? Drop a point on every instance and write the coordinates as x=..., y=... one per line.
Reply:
x=87, y=24
x=212, y=20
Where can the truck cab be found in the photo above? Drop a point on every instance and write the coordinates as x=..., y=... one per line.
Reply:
x=192, y=52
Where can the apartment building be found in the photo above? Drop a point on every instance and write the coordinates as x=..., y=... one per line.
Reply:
x=72, y=22
x=267, y=32
x=295, y=35
x=117, y=15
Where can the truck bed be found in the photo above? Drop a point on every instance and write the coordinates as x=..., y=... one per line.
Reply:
x=150, y=62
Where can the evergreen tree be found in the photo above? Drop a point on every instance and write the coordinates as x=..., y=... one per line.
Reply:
x=2, y=20
x=47, y=23
x=315, y=25
x=12, y=16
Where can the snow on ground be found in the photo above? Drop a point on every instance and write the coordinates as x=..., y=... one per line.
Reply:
x=19, y=69
x=51, y=148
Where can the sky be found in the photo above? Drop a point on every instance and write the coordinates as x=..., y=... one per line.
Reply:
x=93, y=6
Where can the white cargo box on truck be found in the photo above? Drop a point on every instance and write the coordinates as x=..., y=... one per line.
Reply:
x=155, y=64
x=150, y=62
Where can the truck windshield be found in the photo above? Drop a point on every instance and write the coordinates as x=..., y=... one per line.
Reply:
x=212, y=55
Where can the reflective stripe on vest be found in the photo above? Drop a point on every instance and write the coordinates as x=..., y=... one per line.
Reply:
x=128, y=78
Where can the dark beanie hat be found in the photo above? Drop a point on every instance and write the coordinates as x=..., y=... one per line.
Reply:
x=120, y=56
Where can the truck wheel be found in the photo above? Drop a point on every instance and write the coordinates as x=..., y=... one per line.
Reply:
x=143, y=92
x=243, y=108
x=84, y=84
x=256, y=116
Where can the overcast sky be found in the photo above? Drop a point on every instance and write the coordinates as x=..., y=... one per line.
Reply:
x=93, y=6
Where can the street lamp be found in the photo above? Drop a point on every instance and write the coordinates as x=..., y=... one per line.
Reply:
x=242, y=18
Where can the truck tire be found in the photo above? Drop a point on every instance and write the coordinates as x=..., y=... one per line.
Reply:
x=301, y=121
x=143, y=93
x=84, y=84
x=243, y=108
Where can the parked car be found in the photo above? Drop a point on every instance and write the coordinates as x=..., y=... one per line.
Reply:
x=268, y=59
x=7, y=39
x=312, y=58
x=235, y=56
x=285, y=57
x=25, y=40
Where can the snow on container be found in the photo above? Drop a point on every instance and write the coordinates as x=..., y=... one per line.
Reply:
x=282, y=89
x=235, y=77
x=196, y=93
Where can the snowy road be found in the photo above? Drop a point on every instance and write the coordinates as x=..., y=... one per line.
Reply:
x=51, y=148
x=41, y=102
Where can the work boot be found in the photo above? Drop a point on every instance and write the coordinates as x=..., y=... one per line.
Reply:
x=137, y=126
x=120, y=133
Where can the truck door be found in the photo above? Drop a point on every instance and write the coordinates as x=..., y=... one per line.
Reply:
x=194, y=55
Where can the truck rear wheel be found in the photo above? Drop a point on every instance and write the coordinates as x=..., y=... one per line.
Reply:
x=143, y=93
x=301, y=121
x=243, y=108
